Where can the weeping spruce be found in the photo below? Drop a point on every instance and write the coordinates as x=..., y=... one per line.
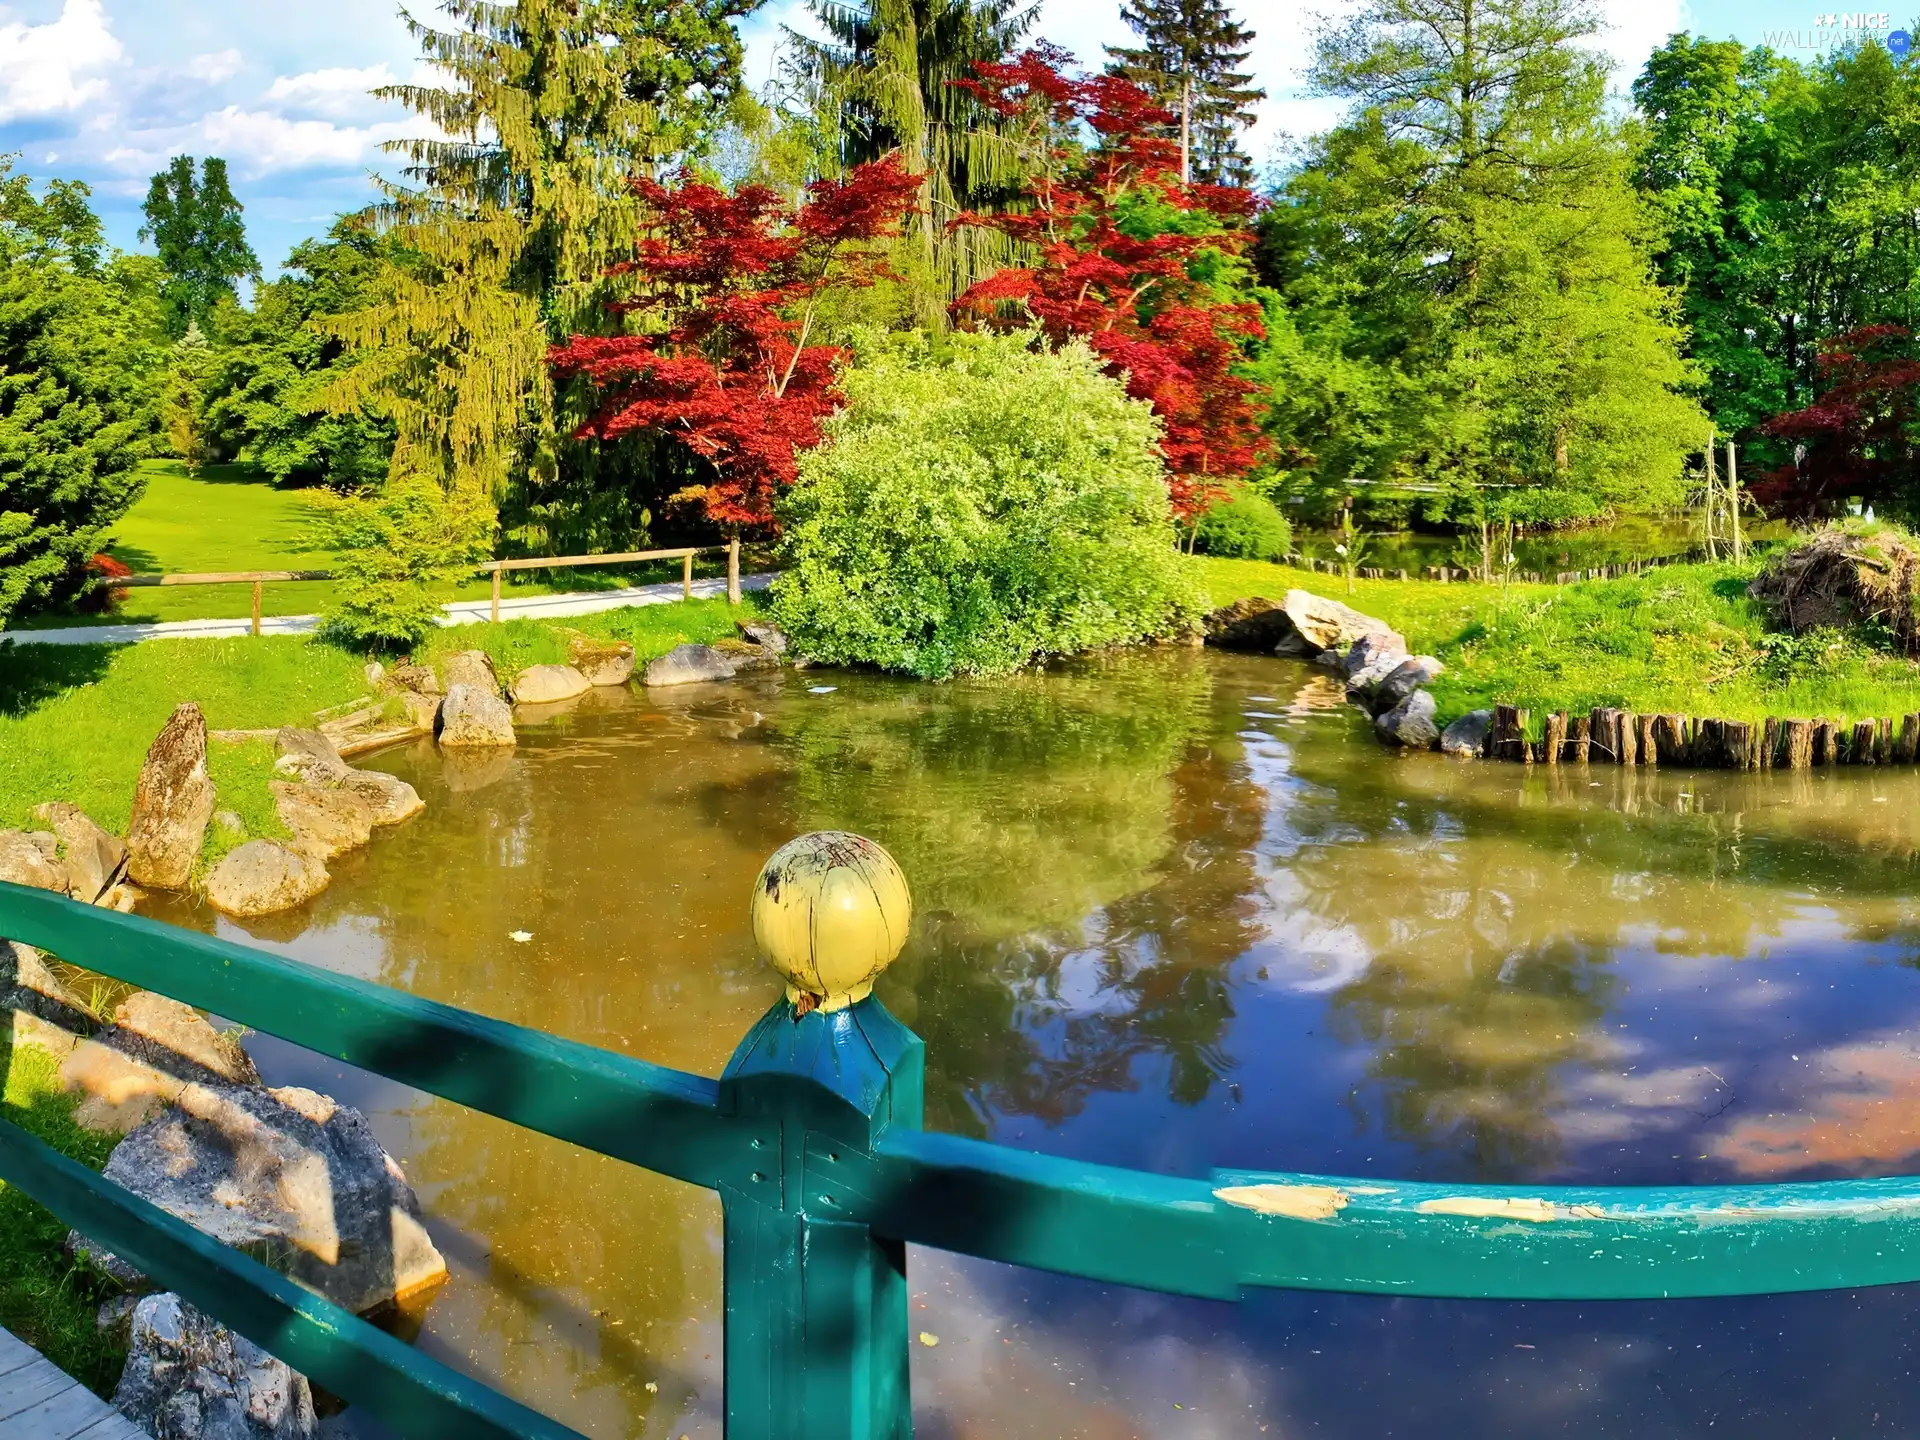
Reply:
x=501, y=228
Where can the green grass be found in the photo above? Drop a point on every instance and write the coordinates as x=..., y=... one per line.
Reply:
x=1685, y=639
x=230, y=517
x=76, y=720
x=46, y=1299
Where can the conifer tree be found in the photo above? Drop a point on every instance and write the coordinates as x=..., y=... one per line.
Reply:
x=1191, y=59
x=896, y=69
x=501, y=230
x=194, y=222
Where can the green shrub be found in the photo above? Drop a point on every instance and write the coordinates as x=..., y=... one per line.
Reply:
x=1245, y=526
x=979, y=507
x=400, y=552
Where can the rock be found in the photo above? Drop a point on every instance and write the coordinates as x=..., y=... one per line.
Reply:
x=389, y=798
x=1372, y=658
x=1466, y=738
x=1320, y=624
x=1409, y=675
x=94, y=859
x=743, y=656
x=689, y=665
x=472, y=668
x=154, y=1049
x=309, y=755
x=188, y=1378
x=1255, y=623
x=324, y=822
x=264, y=876
x=290, y=1174
x=423, y=711
x=35, y=1008
x=608, y=664
x=546, y=684
x=474, y=719
x=32, y=859
x=376, y=673
x=171, y=804
x=229, y=823
x=1410, y=723
x=764, y=633
x=420, y=679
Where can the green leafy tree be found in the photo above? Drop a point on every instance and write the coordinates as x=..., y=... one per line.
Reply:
x=891, y=67
x=263, y=398
x=1467, y=298
x=194, y=223
x=80, y=370
x=500, y=233
x=977, y=508
x=1787, y=191
x=1191, y=59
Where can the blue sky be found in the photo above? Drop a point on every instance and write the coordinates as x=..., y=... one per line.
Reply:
x=106, y=90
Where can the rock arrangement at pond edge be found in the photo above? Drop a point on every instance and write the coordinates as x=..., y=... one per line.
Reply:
x=1369, y=654
x=282, y=1172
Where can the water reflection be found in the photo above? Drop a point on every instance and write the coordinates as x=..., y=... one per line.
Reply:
x=1176, y=911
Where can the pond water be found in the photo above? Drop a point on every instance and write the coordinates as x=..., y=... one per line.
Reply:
x=1546, y=552
x=1176, y=910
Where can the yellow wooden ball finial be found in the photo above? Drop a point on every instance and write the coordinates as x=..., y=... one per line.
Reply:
x=830, y=911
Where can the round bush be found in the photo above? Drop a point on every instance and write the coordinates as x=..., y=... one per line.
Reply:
x=1245, y=526
x=978, y=507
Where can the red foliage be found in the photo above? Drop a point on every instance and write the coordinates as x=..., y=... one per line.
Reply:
x=106, y=597
x=1861, y=438
x=731, y=283
x=1136, y=299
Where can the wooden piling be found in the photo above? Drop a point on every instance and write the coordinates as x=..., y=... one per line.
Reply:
x=1825, y=743
x=1769, y=743
x=1671, y=741
x=1579, y=739
x=1627, y=727
x=1905, y=746
x=1861, y=751
x=1601, y=730
x=1882, y=741
x=1552, y=749
x=1510, y=735
x=1649, y=746
x=1799, y=743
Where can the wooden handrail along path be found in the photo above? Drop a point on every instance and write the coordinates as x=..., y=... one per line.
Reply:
x=812, y=1137
x=259, y=578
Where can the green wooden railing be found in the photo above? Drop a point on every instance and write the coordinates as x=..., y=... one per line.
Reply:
x=813, y=1139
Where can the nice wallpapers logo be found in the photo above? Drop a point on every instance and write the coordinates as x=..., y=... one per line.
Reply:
x=1844, y=28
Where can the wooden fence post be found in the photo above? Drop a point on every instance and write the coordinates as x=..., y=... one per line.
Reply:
x=686, y=577
x=256, y=607
x=816, y=1305
x=496, y=595
x=733, y=571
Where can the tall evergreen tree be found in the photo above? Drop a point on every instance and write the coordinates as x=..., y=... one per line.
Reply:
x=894, y=67
x=194, y=223
x=1467, y=273
x=500, y=232
x=80, y=367
x=1191, y=60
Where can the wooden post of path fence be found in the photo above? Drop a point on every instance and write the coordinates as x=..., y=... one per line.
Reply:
x=686, y=577
x=256, y=607
x=496, y=595
x=733, y=571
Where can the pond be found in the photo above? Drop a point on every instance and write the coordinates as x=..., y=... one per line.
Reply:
x=1176, y=910
x=1629, y=538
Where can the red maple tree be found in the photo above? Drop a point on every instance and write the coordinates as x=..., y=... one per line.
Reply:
x=1861, y=438
x=729, y=287
x=1122, y=253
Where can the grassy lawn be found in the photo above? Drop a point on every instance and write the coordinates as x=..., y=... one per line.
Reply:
x=1685, y=639
x=230, y=518
x=46, y=1299
x=75, y=721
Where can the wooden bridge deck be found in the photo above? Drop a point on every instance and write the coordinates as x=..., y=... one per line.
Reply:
x=40, y=1401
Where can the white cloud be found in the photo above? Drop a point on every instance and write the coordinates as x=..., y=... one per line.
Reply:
x=258, y=142
x=337, y=92
x=215, y=66
x=55, y=68
x=1636, y=28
